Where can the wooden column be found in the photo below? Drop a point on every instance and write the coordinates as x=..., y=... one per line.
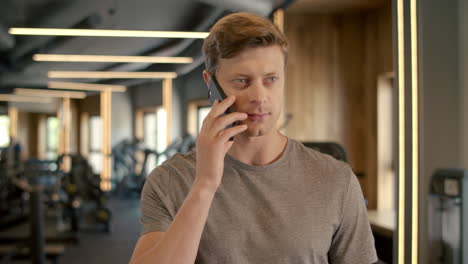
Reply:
x=278, y=20
x=13, y=117
x=167, y=105
x=139, y=126
x=192, y=119
x=42, y=131
x=106, y=104
x=64, y=116
x=84, y=131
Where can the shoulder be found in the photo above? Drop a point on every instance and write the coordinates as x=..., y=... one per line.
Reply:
x=180, y=160
x=180, y=167
x=313, y=157
x=326, y=167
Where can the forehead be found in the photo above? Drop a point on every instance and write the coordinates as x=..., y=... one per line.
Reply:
x=252, y=61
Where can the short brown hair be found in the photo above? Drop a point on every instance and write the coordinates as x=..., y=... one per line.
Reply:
x=235, y=32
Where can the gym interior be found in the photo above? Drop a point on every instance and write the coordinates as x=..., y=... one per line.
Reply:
x=85, y=116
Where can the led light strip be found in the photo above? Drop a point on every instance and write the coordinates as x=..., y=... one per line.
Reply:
x=49, y=93
x=111, y=75
x=415, y=131
x=86, y=86
x=107, y=33
x=24, y=99
x=401, y=134
x=108, y=58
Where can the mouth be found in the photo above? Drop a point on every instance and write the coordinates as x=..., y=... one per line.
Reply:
x=258, y=116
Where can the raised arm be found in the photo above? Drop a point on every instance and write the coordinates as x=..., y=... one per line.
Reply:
x=179, y=244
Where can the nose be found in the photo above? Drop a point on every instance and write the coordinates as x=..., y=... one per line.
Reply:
x=258, y=93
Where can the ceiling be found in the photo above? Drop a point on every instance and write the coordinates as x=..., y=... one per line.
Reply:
x=17, y=69
x=328, y=6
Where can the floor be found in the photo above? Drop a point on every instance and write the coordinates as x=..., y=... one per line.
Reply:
x=95, y=247
x=115, y=247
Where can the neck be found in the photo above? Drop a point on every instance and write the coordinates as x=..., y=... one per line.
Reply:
x=258, y=151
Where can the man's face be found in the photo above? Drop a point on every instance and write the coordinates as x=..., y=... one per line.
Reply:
x=256, y=78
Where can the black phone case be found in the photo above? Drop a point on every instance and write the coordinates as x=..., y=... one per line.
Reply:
x=215, y=92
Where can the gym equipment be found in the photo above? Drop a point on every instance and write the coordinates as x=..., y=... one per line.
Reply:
x=331, y=148
x=124, y=158
x=47, y=175
x=10, y=196
x=188, y=144
x=124, y=155
x=449, y=187
x=11, y=201
x=84, y=200
x=34, y=246
x=125, y=162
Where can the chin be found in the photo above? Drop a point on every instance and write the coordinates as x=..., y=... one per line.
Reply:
x=257, y=131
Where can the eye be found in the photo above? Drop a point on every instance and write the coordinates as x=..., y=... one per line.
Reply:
x=271, y=79
x=240, y=83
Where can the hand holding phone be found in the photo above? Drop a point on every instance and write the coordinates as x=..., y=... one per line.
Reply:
x=213, y=141
x=215, y=92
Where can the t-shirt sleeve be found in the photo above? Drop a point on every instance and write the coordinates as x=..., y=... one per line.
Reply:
x=353, y=241
x=154, y=214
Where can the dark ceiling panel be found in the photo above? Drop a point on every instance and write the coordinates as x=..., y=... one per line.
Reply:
x=18, y=69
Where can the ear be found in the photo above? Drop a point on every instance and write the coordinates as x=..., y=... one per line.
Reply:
x=207, y=77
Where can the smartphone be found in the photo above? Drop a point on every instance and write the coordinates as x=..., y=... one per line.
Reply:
x=215, y=92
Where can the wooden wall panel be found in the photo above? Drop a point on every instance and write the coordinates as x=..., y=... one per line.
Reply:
x=74, y=126
x=23, y=132
x=351, y=72
x=91, y=105
x=378, y=61
x=33, y=135
x=331, y=85
x=310, y=86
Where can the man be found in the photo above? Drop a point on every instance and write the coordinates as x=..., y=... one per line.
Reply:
x=261, y=198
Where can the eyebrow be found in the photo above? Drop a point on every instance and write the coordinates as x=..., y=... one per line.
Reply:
x=238, y=74
x=271, y=73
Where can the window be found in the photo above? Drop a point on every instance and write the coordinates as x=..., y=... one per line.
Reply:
x=95, y=143
x=154, y=135
x=161, y=131
x=4, y=131
x=150, y=138
x=196, y=113
x=385, y=144
x=52, y=137
x=202, y=112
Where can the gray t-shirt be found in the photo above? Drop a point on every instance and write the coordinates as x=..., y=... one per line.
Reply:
x=306, y=207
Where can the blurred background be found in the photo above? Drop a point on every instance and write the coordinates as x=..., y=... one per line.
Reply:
x=95, y=94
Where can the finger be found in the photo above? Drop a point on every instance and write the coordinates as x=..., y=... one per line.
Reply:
x=208, y=117
x=228, y=133
x=218, y=109
x=221, y=107
x=223, y=121
x=229, y=144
